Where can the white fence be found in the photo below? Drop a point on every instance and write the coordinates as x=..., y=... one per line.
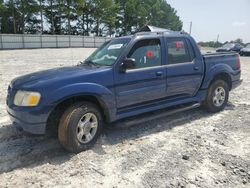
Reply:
x=19, y=41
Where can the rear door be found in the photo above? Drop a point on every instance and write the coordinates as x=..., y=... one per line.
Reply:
x=146, y=82
x=185, y=68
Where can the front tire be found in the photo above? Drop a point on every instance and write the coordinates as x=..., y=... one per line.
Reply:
x=80, y=126
x=217, y=96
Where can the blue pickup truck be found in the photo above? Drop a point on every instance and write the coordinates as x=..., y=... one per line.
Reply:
x=125, y=77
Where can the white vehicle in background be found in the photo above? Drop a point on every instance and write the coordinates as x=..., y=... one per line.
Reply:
x=245, y=51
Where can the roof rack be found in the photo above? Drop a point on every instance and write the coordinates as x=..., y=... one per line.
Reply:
x=149, y=30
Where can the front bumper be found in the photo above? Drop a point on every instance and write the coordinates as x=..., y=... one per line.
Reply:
x=31, y=120
x=236, y=83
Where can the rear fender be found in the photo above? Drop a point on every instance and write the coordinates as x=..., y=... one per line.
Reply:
x=216, y=70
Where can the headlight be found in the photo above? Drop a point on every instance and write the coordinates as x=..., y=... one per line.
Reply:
x=27, y=98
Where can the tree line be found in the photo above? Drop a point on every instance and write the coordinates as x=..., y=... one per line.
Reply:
x=85, y=17
x=218, y=44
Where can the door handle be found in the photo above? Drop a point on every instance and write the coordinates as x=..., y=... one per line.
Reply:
x=196, y=68
x=159, y=73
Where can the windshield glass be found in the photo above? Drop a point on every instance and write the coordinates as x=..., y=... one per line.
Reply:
x=248, y=46
x=228, y=45
x=108, y=53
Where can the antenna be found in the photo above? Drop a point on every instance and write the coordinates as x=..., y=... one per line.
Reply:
x=190, y=28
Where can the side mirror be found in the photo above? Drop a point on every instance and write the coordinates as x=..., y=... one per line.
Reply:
x=128, y=63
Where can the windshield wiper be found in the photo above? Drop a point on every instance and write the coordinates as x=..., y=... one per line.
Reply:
x=89, y=62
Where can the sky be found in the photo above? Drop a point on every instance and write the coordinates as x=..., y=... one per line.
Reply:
x=230, y=19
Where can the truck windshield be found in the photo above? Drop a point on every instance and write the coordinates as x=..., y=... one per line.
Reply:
x=248, y=46
x=228, y=45
x=108, y=53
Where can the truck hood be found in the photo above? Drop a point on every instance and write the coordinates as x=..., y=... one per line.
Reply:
x=245, y=49
x=224, y=49
x=53, y=75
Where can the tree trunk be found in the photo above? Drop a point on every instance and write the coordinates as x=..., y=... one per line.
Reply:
x=52, y=17
x=23, y=17
x=13, y=15
x=69, y=26
x=97, y=27
x=41, y=15
x=83, y=23
x=60, y=16
x=87, y=24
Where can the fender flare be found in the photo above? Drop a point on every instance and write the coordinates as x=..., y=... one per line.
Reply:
x=220, y=69
x=101, y=93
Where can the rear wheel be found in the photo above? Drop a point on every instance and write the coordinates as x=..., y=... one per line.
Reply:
x=217, y=96
x=80, y=127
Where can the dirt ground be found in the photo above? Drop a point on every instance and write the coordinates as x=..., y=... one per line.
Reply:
x=189, y=149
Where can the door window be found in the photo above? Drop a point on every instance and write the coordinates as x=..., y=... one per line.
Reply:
x=178, y=51
x=147, y=53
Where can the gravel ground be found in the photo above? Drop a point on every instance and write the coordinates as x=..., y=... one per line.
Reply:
x=189, y=149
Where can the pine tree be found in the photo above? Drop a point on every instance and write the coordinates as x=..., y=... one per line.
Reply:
x=104, y=15
x=28, y=20
x=2, y=11
x=133, y=14
x=53, y=15
x=100, y=17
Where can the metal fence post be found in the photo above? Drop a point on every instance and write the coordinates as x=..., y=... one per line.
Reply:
x=1, y=41
x=56, y=41
x=69, y=41
x=94, y=42
x=23, y=40
x=83, y=41
x=41, y=41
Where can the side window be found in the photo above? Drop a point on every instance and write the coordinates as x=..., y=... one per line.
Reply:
x=147, y=53
x=191, y=50
x=179, y=51
x=238, y=46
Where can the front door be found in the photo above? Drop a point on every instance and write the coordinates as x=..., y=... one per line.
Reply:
x=145, y=82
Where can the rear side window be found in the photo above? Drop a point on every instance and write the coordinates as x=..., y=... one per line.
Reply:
x=179, y=51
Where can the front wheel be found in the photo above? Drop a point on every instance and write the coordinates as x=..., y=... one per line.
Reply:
x=217, y=96
x=80, y=127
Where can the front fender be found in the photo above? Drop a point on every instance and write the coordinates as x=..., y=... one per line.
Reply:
x=214, y=71
x=103, y=94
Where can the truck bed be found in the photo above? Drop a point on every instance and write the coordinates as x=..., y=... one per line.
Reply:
x=229, y=58
x=223, y=62
x=218, y=54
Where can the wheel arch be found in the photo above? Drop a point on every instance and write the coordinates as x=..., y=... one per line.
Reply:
x=222, y=76
x=61, y=105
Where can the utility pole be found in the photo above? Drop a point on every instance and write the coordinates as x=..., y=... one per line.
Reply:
x=190, y=28
x=217, y=40
x=218, y=36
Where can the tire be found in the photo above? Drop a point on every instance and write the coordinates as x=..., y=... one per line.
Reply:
x=215, y=103
x=80, y=126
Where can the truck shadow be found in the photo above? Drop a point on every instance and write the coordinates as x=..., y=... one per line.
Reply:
x=19, y=150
